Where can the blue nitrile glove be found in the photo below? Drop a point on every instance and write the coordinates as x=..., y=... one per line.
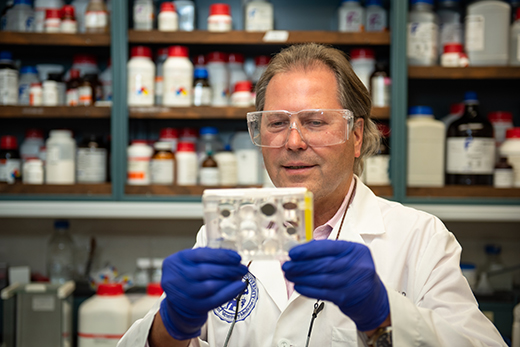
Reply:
x=195, y=282
x=341, y=272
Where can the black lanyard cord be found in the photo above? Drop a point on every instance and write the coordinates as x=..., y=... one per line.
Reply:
x=317, y=309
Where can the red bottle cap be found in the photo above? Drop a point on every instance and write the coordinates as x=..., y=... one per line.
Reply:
x=457, y=108
x=52, y=13
x=74, y=73
x=362, y=53
x=84, y=59
x=222, y=9
x=178, y=51
x=186, y=147
x=144, y=142
x=169, y=133
x=33, y=133
x=189, y=132
x=141, y=51
x=215, y=57
x=262, y=60
x=167, y=7
x=110, y=289
x=8, y=142
x=383, y=129
x=154, y=289
x=517, y=13
x=500, y=116
x=513, y=133
x=67, y=11
x=36, y=84
x=235, y=58
x=243, y=86
x=162, y=51
x=453, y=48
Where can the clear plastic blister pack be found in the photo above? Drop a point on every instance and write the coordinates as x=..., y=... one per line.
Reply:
x=259, y=223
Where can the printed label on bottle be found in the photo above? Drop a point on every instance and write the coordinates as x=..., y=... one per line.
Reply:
x=39, y=19
x=375, y=22
x=96, y=19
x=377, y=170
x=201, y=96
x=422, y=40
x=23, y=94
x=219, y=24
x=138, y=170
x=209, y=176
x=187, y=166
x=227, y=166
x=85, y=95
x=143, y=16
x=8, y=87
x=177, y=88
x=10, y=170
x=57, y=152
x=72, y=97
x=351, y=21
x=91, y=167
x=161, y=171
x=259, y=18
x=381, y=91
x=69, y=26
x=141, y=86
x=474, y=33
x=36, y=96
x=450, y=33
x=503, y=178
x=470, y=155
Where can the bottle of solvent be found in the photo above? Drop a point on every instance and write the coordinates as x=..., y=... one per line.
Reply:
x=187, y=164
x=162, y=166
x=351, y=16
x=258, y=16
x=178, y=77
x=219, y=18
x=139, y=155
x=141, y=77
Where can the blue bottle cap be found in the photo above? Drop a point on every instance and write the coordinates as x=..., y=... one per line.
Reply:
x=200, y=73
x=373, y=3
x=429, y=2
x=470, y=96
x=208, y=130
x=22, y=2
x=6, y=55
x=349, y=1
x=420, y=111
x=28, y=69
x=468, y=266
x=61, y=224
x=493, y=249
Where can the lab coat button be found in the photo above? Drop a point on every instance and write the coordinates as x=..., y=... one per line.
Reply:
x=284, y=343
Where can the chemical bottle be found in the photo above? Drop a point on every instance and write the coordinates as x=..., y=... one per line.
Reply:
x=363, y=63
x=52, y=20
x=242, y=96
x=186, y=13
x=351, y=16
x=494, y=263
x=139, y=155
x=209, y=173
x=61, y=86
x=248, y=159
x=261, y=62
x=235, y=67
x=501, y=121
x=377, y=166
x=142, y=272
x=10, y=163
x=8, y=79
x=450, y=24
x=376, y=16
x=96, y=17
x=68, y=25
x=470, y=147
x=456, y=111
x=514, y=45
x=516, y=327
x=141, y=77
x=201, y=88
x=141, y=306
x=511, y=150
x=209, y=140
x=218, y=78
x=3, y=15
x=143, y=14
x=170, y=135
x=227, y=167
x=105, y=78
x=258, y=16
x=162, y=55
x=36, y=94
x=162, y=166
x=87, y=90
x=80, y=7
x=60, y=254
x=32, y=171
x=40, y=6
x=85, y=63
x=30, y=147
x=487, y=32
x=21, y=17
x=380, y=84
x=97, y=88
x=61, y=158
x=189, y=135
x=72, y=93
x=178, y=78
x=50, y=93
x=426, y=141
x=423, y=33
x=28, y=75
x=187, y=164
x=168, y=19
x=105, y=317
x=91, y=161
x=219, y=19
x=503, y=175
x=156, y=270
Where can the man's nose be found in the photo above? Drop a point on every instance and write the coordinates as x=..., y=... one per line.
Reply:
x=295, y=138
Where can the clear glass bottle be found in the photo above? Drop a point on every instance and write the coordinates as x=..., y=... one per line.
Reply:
x=201, y=88
x=142, y=273
x=209, y=174
x=96, y=17
x=423, y=33
x=60, y=254
x=450, y=24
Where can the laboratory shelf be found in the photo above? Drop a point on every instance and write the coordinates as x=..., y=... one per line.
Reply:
x=457, y=191
x=239, y=37
x=20, y=189
x=55, y=111
x=57, y=39
x=487, y=72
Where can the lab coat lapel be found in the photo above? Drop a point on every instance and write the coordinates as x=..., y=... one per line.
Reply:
x=269, y=273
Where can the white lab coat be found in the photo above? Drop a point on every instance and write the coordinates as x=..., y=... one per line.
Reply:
x=417, y=258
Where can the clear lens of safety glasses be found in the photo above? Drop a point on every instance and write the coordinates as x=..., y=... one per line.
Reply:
x=317, y=128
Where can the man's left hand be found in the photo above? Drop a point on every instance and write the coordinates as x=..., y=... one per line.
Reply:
x=341, y=272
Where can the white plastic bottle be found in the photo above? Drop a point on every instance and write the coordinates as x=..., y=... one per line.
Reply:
x=32, y=143
x=162, y=55
x=21, y=17
x=363, y=63
x=514, y=45
x=104, y=318
x=142, y=272
x=141, y=77
x=187, y=164
x=168, y=18
x=141, y=306
x=423, y=33
x=258, y=16
x=242, y=96
x=248, y=159
x=60, y=165
x=219, y=19
x=178, y=77
x=28, y=75
x=227, y=167
x=351, y=16
x=426, y=143
x=139, y=155
x=450, y=24
x=376, y=16
x=8, y=79
x=143, y=14
x=510, y=149
x=39, y=12
x=236, y=69
x=487, y=32
x=218, y=78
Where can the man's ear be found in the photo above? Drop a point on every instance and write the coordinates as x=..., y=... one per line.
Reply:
x=357, y=136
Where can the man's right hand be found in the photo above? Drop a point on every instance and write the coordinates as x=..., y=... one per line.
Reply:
x=195, y=282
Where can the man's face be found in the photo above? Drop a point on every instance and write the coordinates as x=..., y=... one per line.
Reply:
x=326, y=171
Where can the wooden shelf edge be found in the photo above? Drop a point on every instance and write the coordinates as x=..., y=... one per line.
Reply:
x=55, y=112
x=58, y=39
x=57, y=189
x=484, y=72
x=464, y=192
x=243, y=37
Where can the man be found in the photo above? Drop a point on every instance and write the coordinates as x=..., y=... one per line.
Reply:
x=385, y=274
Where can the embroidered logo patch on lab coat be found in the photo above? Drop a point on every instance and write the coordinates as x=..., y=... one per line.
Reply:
x=248, y=301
